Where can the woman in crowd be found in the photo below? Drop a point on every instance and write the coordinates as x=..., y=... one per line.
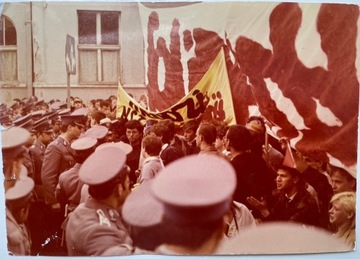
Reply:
x=342, y=216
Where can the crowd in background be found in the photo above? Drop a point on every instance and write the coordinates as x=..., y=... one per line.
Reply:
x=79, y=181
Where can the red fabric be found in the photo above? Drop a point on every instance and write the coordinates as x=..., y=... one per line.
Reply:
x=336, y=87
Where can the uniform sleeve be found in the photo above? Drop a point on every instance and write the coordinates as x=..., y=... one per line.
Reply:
x=60, y=193
x=94, y=238
x=105, y=238
x=49, y=173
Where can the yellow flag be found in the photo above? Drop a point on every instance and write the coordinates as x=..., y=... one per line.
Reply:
x=211, y=98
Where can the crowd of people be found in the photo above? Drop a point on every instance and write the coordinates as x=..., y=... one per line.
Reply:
x=79, y=181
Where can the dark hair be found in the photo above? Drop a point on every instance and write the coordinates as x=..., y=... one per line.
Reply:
x=221, y=128
x=118, y=129
x=342, y=172
x=104, y=190
x=291, y=170
x=191, y=125
x=105, y=103
x=301, y=184
x=208, y=132
x=134, y=124
x=162, y=131
x=98, y=116
x=257, y=118
x=81, y=155
x=171, y=125
x=64, y=127
x=152, y=145
x=239, y=137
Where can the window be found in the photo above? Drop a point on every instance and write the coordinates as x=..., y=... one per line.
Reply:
x=99, y=49
x=8, y=51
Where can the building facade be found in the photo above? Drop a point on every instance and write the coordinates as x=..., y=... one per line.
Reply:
x=108, y=48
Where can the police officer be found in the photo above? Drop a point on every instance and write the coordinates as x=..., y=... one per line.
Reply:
x=26, y=122
x=17, y=209
x=37, y=214
x=193, y=199
x=96, y=225
x=44, y=133
x=57, y=159
x=12, y=140
x=68, y=190
x=126, y=148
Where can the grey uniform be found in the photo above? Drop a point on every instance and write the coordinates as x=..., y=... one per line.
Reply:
x=94, y=228
x=68, y=190
x=58, y=158
x=37, y=152
x=18, y=237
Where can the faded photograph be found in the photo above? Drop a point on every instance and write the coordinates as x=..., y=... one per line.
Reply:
x=184, y=128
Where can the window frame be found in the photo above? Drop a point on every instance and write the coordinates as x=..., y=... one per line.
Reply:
x=100, y=48
x=9, y=48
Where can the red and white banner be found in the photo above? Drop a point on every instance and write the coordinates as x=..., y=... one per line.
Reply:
x=295, y=63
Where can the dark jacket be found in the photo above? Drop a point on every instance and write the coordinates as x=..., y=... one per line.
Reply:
x=253, y=178
x=170, y=154
x=302, y=209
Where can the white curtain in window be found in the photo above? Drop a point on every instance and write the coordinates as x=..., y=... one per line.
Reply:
x=88, y=66
x=110, y=60
x=8, y=66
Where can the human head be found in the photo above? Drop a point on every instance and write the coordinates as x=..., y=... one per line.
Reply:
x=144, y=214
x=105, y=106
x=18, y=198
x=96, y=117
x=221, y=129
x=343, y=209
x=341, y=180
x=206, y=133
x=151, y=145
x=134, y=132
x=256, y=127
x=195, y=206
x=162, y=132
x=55, y=121
x=12, y=140
x=44, y=131
x=113, y=182
x=288, y=180
x=190, y=128
x=83, y=148
x=73, y=125
x=171, y=125
x=148, y=125
x=71, y=101
x=113, y=100
x=78, y=103
x=238, y=138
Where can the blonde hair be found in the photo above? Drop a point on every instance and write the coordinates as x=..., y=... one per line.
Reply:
x=347, y=199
